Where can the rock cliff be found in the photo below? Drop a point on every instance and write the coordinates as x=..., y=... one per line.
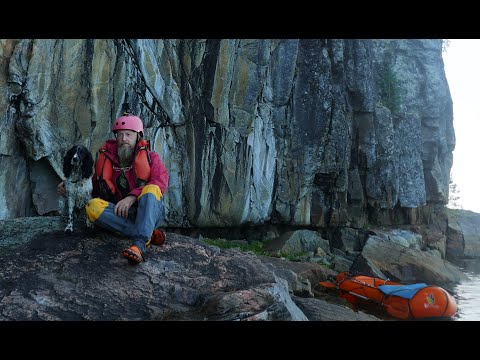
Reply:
x=293, y=131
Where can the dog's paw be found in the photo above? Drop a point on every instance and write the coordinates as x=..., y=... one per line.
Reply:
x=68, y=229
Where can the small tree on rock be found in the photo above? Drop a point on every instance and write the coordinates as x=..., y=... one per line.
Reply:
x=453, y=195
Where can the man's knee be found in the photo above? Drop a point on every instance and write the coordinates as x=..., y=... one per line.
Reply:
x=95, y=208
x=151, y=189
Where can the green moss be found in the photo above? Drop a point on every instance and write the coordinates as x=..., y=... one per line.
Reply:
x=298, y=256
x=257, y=247
x=390, y=89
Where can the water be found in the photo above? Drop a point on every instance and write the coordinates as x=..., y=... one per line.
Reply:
x=467, y=293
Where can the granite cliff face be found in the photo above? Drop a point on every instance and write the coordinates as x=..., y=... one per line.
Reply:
x=296, y=132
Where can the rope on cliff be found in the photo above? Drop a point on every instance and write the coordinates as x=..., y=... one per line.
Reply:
x=162, y=114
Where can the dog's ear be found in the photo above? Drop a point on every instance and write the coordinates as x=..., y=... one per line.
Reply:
x=87, y=164
x=67, y=166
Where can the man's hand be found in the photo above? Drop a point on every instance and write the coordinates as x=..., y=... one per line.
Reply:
x=61, y=189
x=121, y=208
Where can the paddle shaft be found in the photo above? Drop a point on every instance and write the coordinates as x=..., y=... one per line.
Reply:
x=330, y=285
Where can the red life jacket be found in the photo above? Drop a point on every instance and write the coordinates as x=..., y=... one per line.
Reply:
x=141, y=167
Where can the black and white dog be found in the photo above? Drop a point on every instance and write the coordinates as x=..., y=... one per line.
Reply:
x=78, y=171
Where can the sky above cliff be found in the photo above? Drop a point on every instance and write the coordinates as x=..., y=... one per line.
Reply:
x=462, y=68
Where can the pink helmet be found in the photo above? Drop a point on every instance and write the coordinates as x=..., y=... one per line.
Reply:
x=128, y=122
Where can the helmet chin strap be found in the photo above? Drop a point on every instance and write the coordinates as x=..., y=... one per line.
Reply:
x=136, y=141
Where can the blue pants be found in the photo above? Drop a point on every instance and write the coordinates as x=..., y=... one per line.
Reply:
x=141, y=221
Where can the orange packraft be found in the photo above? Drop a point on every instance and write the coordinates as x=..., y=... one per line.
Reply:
x=411, y=301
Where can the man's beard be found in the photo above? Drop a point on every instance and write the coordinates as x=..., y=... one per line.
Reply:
x=125, y=154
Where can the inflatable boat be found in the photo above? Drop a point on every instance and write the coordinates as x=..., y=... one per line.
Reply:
x=412, y=301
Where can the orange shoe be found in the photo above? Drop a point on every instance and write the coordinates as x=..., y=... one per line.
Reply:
x=133, y=254
x=158, y=237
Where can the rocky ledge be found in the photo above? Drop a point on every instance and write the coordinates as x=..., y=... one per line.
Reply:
x=49, y=276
